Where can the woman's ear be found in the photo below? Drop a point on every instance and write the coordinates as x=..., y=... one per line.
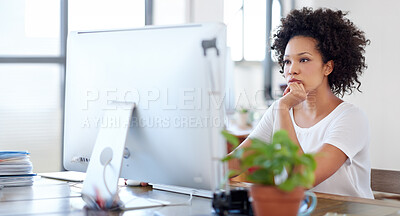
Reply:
x=329, y=67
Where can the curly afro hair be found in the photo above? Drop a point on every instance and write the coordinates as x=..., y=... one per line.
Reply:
x=338, y=40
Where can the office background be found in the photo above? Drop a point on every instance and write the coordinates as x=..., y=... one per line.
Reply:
x=32, y=61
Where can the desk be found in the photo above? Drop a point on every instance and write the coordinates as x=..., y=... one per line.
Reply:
x=354, y=206
x=52, y=197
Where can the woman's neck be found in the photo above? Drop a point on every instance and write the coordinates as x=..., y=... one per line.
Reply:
x=319, y=102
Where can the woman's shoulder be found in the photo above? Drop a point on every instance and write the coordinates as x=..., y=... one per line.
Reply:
x=350, y=107
x=347, y=110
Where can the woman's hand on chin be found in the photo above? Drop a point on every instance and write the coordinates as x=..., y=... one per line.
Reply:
x=294, y=94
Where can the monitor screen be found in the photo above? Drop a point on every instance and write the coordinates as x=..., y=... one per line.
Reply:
x=175, y=77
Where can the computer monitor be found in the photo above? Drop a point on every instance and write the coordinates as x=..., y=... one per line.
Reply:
x=175, y=77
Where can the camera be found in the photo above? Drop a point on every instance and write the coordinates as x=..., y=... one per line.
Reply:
x=234, y=202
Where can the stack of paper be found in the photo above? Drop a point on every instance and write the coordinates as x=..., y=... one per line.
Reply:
x=15, y=169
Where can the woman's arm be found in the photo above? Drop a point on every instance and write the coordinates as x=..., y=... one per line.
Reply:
x=330, y=158
x=294, y=94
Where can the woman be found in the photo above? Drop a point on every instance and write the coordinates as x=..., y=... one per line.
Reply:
x=321, y=54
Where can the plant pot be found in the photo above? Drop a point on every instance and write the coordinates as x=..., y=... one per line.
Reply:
x=269, y=200
x=242, y=120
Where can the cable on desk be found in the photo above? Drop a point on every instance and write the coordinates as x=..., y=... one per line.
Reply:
x=187, y=203
x=160, y=204
x=74, y=184
x=104, y=176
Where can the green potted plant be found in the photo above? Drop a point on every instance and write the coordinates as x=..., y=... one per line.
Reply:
x=278, y=172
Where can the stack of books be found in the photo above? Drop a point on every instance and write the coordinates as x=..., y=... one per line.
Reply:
x=15, y=169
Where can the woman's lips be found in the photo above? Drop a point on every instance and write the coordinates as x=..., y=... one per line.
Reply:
x=294, y=80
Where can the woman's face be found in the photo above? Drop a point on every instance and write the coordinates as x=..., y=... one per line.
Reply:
x=303, y=63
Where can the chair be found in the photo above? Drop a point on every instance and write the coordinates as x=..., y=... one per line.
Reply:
x=387, y=181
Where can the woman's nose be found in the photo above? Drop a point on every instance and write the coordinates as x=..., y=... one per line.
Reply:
x=293, y=69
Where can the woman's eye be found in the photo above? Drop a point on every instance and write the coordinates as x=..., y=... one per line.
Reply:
x=285, y=62
x=304, y=60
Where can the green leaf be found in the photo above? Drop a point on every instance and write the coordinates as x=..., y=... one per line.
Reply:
x=281, y=137
x=289, y=184
x=232, y=139
x=308, y=161
x=233, y=173
x=227, y=158
x=306, y=179
x=248, y=161
x=256, y=143
x=313, y=163
x=261, y=176
x=278, y=165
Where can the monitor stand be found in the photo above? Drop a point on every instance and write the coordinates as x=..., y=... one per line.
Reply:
x=100, y=187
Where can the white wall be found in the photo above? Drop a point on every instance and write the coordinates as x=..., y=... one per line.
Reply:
x=380, y=21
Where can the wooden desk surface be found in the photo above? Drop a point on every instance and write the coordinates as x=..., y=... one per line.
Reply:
x=354, y=206
x=52, y=197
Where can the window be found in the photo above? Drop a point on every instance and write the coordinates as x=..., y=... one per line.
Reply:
x=31, y=71
x=32, y=67
x=275, y=21
x=247, y=21
x=30, y=28
x=233, y=18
